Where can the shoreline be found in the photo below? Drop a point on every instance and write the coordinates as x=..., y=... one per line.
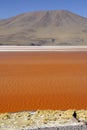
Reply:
x=42, y=48
x=44, y=119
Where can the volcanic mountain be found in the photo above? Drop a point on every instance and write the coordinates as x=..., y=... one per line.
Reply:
x=58, y=27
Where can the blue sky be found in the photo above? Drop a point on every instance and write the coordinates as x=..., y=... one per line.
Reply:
x=9, y=8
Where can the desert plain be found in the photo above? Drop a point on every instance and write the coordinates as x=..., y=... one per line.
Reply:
x=43, y=80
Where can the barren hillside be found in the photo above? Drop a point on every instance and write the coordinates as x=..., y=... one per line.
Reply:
x=59, y=27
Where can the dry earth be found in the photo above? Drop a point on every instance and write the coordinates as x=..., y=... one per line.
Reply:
x=59, y=27
x=46, y=119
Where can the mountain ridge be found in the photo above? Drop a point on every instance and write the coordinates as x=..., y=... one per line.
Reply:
x=63, y=10
x=56, y=27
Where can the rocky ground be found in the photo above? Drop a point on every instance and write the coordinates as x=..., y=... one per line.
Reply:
x=44, y=119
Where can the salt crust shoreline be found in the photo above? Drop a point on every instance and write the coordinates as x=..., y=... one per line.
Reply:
x=42, y=48
x=44, y=120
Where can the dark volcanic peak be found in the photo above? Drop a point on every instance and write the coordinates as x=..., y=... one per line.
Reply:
x=57, y=27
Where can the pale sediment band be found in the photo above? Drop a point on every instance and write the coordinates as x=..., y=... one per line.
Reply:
x=42, y=48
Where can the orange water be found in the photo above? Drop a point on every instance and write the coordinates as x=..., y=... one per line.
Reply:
x=43, y=80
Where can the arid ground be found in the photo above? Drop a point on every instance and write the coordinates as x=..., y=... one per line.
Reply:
x=43, y=80
x=44, y=28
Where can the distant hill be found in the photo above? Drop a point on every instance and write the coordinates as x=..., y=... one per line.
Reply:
x=59, y=27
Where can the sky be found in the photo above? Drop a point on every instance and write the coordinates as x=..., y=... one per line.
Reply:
x=10, y=8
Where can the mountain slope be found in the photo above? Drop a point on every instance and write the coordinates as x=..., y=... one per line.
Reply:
x=44, y=28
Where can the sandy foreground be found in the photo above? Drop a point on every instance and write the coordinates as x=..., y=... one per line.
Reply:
x=43, y=80
x=44, y=120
